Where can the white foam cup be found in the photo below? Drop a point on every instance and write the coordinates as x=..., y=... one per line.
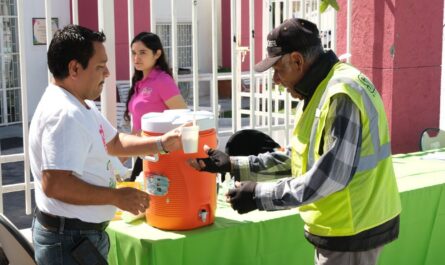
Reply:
x=189, y=138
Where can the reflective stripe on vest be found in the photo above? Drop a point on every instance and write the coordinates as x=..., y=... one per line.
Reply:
x=381, y=152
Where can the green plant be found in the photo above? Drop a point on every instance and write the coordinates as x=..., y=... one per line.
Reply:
x=324, y=4
x=223, y=69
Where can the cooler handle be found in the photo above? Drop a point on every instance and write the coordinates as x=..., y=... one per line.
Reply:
x=154, y=158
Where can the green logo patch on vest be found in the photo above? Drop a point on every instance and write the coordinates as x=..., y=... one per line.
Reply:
x=367, y=84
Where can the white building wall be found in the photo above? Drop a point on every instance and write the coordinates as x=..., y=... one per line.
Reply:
x=36, y=63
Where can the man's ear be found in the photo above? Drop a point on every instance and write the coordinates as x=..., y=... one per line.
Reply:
x=73, y=68
x=297, y=59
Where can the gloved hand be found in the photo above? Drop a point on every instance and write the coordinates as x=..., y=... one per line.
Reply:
x=217, y=162
x=242, y=198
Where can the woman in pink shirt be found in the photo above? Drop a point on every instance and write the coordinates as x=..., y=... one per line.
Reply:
x=152, y=86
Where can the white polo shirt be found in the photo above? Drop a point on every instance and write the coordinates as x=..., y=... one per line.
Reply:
x=65, y=135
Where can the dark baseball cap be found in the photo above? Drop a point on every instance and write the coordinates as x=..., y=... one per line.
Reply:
x=293, y=34
x=250, y=142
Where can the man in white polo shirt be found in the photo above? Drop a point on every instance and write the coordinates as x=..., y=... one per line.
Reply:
x=70, y=146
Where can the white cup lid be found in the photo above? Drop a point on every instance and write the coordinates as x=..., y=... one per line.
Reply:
x=162, y=122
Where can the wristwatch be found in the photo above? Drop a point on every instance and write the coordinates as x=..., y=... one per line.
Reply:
x=160, y=147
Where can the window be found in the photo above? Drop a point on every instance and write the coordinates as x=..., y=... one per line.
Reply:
x=184, y=37
x=184, y=44
x=10, y=103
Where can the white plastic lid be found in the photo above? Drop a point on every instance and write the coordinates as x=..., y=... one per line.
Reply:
x=162, y=122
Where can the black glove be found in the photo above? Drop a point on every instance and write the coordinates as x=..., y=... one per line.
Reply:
x=242, y=199
x=217, y=162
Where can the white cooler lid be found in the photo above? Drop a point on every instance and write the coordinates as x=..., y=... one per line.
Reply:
x=162, y=122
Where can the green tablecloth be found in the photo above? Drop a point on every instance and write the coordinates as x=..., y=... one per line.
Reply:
x=277, y=237
x=421, y=178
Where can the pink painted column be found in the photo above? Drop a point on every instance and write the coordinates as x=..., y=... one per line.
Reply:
x=141, y=23
x=226, y=38
x=246, y=34
x=398, y=44
x=88, y=14
x=88, y=18
x=121, y=35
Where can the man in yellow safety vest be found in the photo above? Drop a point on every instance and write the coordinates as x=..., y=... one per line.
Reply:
x=339, y=170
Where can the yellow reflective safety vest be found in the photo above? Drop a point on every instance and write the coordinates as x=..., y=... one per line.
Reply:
x=371, y=197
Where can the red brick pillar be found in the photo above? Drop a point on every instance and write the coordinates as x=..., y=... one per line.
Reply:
x=398, y=44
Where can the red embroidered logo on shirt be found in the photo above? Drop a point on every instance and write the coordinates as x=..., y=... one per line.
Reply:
x=102, y=136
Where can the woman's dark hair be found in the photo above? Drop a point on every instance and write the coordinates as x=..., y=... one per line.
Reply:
x=152, y=42
x=73, y=42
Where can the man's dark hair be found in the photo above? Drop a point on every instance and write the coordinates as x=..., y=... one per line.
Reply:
x=73, y=42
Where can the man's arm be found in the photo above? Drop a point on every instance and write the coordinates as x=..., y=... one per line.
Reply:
x=262, y=167
x=132, y=145
x=332, y=172
x=64, y=186
x=265, y=166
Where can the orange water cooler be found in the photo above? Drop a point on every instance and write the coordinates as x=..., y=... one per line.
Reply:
x=190, y=199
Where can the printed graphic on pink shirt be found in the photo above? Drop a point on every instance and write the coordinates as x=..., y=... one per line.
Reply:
x=150, y=95
x=146, y=91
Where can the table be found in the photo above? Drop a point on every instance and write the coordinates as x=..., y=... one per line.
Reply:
x=277, y=237
x=421, y=182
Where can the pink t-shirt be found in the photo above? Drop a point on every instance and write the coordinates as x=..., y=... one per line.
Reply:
x=150, y=95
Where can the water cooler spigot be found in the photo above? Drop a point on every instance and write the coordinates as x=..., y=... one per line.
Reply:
x=203, y=215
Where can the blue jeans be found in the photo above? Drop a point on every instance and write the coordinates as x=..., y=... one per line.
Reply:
x=53, y=246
